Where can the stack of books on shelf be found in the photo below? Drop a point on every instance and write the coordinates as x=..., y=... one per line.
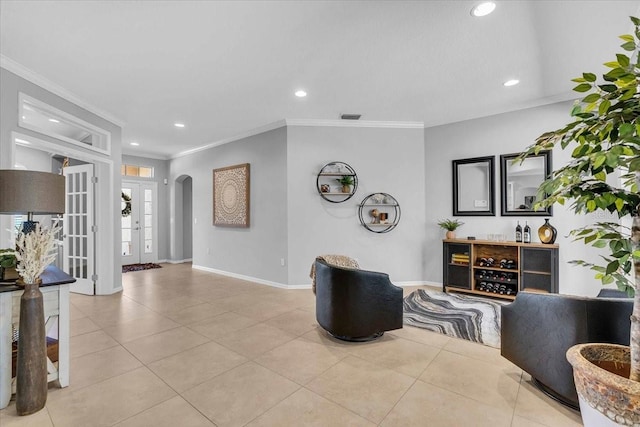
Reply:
x=462, y=258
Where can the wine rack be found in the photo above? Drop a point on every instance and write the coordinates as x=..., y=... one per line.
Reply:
x=499, y=269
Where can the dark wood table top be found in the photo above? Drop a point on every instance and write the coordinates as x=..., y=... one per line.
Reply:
x=50, y=277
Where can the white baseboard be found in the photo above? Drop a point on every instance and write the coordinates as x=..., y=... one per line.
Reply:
x=417, y=283
x=174, y=261
x=247, y=278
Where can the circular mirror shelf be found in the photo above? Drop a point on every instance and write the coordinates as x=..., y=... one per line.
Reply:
x=382, y=212
x=328, y=182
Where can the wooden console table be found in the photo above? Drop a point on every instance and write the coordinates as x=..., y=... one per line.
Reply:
x=55, y=292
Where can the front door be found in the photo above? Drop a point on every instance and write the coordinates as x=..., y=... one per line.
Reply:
x=139, y=230
x=78, y=228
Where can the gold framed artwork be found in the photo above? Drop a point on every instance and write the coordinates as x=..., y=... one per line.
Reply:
x=231, y=196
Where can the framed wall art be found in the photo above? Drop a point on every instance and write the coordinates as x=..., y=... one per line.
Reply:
x=231, y=196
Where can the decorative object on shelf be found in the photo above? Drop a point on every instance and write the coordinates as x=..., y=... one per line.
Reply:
x=341, y=173
x=35, y=251
x=8, y=265
x=32, y=192
x=231, y=196
x=520, y=182
x=473, y=183
x=451, y=225
x=601, y=140
x=386, y=216
x=346, y=181
x=126, y=205
x=547, y=232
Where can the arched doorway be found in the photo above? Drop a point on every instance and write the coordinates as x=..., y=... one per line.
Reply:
x=183, y=219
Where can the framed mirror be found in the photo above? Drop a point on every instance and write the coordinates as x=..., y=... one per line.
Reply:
x=473, y=185
x=520, y=182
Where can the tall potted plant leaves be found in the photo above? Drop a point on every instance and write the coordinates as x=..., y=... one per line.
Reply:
x=604, y=175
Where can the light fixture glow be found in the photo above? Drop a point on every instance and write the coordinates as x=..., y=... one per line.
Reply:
x=179, y=125
x=54, y=121
x=483, y=9
x=301, y=93
x=135, y=144
x=511, y=82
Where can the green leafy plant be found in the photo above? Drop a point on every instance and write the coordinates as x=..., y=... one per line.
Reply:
x=7, y=258
x=345, y=180
x=450, y=224
x=604, y=172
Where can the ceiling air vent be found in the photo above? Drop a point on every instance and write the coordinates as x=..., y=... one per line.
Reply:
x=350, y=116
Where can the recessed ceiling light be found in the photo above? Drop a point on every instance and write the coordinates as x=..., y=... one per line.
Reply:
x=24, y=117
x=54, y=121
x=135, y=144
x=179, y=125
x=483, y=9
x=301, y=93
x=511, y=82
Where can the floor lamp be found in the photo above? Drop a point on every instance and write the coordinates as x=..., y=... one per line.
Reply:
x=40, y=193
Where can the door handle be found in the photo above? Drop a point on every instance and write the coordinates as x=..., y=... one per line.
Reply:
x=137, y=228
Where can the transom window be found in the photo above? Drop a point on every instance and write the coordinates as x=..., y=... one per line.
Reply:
x=136, y=170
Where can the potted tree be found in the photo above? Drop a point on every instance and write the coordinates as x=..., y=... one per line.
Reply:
x=451, y=225
x=604, y=175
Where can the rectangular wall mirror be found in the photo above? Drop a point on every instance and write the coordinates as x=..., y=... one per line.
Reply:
x=520, y=182
x=473, y=185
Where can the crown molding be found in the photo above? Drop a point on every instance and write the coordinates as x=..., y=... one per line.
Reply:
x=247, y=134
x=35, y=78
x=144, y=154
x=303, y=122
x=355, y=123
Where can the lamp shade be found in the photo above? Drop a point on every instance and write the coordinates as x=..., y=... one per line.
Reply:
x=24, y=191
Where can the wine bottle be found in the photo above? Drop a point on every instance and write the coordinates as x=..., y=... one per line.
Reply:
x=527, y=233
x=518, y=233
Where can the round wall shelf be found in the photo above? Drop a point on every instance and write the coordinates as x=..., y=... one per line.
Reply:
x=328, y=186
x=382, y=212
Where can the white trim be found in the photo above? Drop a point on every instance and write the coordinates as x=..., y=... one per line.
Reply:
x=355, y=123
x=303, y=122
x=243, y=277
x=143, y=155
x=104, y=135
x=417, y=283
x=105, y=269
x=35, y=78
x=174, y=261
x=247, y=134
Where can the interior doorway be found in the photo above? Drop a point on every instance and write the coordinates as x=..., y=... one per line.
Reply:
x=139, y=222
x=182, y=227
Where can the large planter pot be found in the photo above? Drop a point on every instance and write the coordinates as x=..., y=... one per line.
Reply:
x=606, y=394
x=31, y=387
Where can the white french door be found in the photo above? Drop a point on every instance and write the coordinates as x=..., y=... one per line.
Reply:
x=78, y=228
x=139, y=223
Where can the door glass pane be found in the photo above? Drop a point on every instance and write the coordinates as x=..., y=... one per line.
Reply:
x=126, y=248
x=147, y=208
x=148, y=248
x=126, y=235
x=147, y=220
x=126, y=221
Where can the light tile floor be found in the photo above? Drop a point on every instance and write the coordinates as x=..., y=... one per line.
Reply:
x=181, y=347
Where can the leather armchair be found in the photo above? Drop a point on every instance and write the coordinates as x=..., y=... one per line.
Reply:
x=538, y=329
x=356, y=305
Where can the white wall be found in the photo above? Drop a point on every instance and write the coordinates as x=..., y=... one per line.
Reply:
x=495, y=135
x=385, y=160
x=254, y=252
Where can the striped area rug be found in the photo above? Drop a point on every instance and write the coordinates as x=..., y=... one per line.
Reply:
x=459, y=316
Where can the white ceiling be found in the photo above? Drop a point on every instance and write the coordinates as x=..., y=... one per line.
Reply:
x=224, y=68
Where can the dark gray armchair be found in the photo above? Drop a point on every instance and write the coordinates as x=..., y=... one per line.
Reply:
x=538, y=329
x=356, y=305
